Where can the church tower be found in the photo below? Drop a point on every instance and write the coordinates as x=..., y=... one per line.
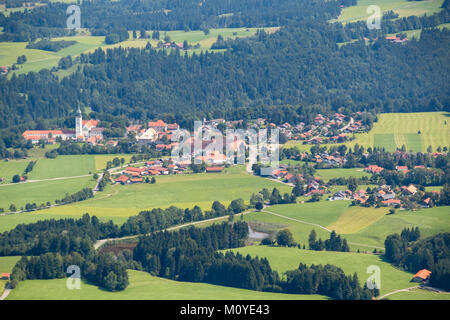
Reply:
x=78, y=124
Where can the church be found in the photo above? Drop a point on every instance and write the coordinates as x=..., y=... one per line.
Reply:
x=85, y=130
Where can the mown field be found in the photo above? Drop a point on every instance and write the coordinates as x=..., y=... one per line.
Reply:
x=60, y=167
x=143, y=286
x=283, y=259
x=40, y=192
x=396, y=129
x=118, y=202
x=403, y=7
x=40, y=59
x=327, y=174
x=363, y=227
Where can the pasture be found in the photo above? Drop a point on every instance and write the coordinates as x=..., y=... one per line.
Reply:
x=404, y=8
x=10, y=168
x=359, y=225
x=430, y=222
x=184, y=191
x=283, y=259
x=143, y=286
x=40, y=192
x=396, y=129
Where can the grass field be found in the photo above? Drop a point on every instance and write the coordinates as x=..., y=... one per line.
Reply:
x=118, y=202
x=430, y=222
x=367, y=226
x=6, y=266
x=143, y=286
x=11, y=168
x=283, y=259
x=395, y=129
x=41, y=192
x=356, y=218
x=40, y=59
x=403, y=7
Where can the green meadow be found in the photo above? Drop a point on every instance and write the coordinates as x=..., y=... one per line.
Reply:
x=327, y=174
x=20, y=194
x=143, y=286
x=396, y=129
x=359, y=225
x=10, y=168
x=430, y=222
x=283, y=259
x=184, y=191
x=404, y=8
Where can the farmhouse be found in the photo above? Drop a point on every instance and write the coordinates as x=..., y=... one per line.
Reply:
x=5, y=276
x=422, y=275
x=391, y=202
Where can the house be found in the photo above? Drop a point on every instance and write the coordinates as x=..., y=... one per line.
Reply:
x=403, y=169
x=373, y=169
x=391, y=202
x=158, y=125
x=123, y=179
x=289, y=178
x=388, y=196
x=340, y=195
x=421, y=276
x=5, y=276
x=409, y=191
x=214, y=169
x=147, y=137
x=136, y=180
x=426, y=202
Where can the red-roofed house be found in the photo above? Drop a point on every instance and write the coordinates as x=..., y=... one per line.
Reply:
x=158, y=125
x=391, y=202
x=5, y=276
x=123, y=179
x=214, y=169
x=422, y=275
